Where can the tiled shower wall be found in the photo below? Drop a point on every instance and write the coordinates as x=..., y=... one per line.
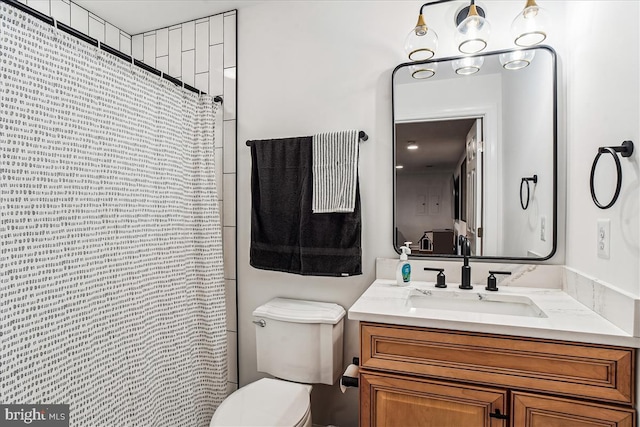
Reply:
x=202, y=53
x=84, y=21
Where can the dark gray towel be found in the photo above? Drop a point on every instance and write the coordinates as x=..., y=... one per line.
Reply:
x=285, y=234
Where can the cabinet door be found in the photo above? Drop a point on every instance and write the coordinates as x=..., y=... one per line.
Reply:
x=530, y=410
x=390, y=400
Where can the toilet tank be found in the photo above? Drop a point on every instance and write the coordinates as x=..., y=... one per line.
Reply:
x=300, y=341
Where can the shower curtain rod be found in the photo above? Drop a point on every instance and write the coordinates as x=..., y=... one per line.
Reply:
x=71, y=31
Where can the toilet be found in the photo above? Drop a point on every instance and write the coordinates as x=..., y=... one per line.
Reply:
x=299, y=343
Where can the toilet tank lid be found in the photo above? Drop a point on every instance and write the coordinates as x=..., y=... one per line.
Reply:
x=292, y=310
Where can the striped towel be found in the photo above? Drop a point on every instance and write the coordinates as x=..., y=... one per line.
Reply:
x=335, y=171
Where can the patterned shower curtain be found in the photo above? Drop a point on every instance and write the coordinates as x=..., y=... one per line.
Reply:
x=111, y=289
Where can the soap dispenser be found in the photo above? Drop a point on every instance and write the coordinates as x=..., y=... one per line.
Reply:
x=403, y=270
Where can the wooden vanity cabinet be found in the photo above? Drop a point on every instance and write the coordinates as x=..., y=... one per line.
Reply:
x=392, y=400
x=535, y=410
x=412, y=376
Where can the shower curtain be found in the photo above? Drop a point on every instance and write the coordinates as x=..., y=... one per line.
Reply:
x=112, y=293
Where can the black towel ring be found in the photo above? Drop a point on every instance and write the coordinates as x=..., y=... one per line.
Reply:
x=526, y=180
x=625, y=150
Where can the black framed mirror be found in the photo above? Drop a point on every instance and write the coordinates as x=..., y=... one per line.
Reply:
x=470, y=134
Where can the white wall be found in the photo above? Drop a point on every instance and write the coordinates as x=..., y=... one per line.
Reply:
x=603, y=107
x=309, y=67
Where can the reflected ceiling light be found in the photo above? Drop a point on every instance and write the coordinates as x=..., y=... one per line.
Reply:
x=422, y=41
x=472, y=32
x=423, y=71
x=399, y=166
x=468, y=65
x=411, y=145
x=529, y=28
x=517, y=59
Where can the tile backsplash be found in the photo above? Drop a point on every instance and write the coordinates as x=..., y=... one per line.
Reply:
x=524, y=275
x=615, y=305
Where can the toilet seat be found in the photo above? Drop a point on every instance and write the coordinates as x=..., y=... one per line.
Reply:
x=266, y=402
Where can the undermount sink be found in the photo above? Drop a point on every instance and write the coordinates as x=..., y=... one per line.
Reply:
x=476, y=302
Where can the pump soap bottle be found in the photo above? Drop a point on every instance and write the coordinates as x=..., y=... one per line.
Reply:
x=403, y=270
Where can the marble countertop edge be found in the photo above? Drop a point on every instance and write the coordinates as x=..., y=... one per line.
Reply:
x=566, y=320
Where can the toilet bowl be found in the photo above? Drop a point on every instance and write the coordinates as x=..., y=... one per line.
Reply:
x=266, y=402
x=298, y=341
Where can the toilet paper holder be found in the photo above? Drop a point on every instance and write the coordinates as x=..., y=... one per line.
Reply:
x=348, y=381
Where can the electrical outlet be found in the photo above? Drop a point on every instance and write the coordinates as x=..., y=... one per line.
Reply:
x=604, y=238
x=543, y=228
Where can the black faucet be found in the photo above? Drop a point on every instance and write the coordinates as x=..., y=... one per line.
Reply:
x=466, y=270
x=492, y=282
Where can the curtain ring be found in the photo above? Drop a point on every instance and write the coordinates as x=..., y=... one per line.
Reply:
x=601, y=151
x=534, y=178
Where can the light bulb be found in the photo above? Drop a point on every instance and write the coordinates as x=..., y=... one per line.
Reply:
x=529, y=28
x=421, y=42
x=530, y=12
x=472, y=34
x=412, y=145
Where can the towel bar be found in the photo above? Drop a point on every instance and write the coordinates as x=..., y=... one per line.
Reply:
x=361, y=134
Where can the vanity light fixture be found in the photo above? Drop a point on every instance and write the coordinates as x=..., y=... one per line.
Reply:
x=411, y=145
x=467, y=65
x=472, y=32
x=517, y=59
x=529, y=28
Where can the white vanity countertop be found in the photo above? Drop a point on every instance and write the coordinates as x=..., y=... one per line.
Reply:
x=567, y=319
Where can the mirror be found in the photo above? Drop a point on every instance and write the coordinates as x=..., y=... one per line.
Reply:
x=475, y=155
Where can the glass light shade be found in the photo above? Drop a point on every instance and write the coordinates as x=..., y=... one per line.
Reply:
x=421, y=42
x=467, y=66
x=423, y=71
x=529, y=28
x=516, y=60
x=472, y=34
